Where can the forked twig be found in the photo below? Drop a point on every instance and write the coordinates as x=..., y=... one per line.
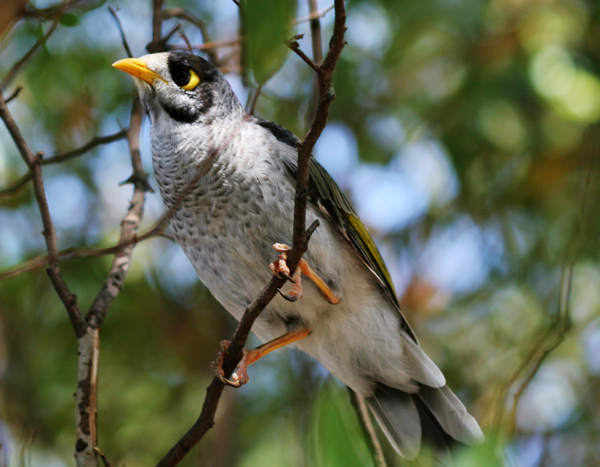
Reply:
x=33, y=162
x=185, y=15
x=552, y=335
x=295, y=46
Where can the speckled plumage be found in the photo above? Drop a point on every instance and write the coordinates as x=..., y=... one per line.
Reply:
x=227, y=223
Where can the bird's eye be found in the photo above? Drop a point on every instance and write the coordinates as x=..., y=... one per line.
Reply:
x=185, y=78
x=181, y=76
x=192, y=82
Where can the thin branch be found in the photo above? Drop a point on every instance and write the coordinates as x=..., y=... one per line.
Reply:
x=254, y=99
x=157, y=20
x=185, y=38
x=16, y=186
x=207, y=46
x=293, y=44
x=557, y=333
x=367, y=425
x=170, y=34
x=157, y=44
x=553, y=332
x=317, y=51
x=56, y=10
x=16, y=92
x=121, y=32
x=300, y=242
x=325, y=77
x=315, y=31
x=314, y=14
x=84, y=252
x=105, y=460
x=133, y=140
x=17, y=66
x=129, y=226
x=552, y=335
x=217, y=45
x=91, y=144
x=65, y=156
x=49, y=233
x=189, y=17
x=202, y=26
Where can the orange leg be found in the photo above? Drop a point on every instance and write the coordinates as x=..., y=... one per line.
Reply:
x=280, y=268
x=240, y=374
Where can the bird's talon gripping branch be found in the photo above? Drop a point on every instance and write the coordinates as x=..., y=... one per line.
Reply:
x=228, y=382
x=239, y=375
x=289, y=298
x=280, y=268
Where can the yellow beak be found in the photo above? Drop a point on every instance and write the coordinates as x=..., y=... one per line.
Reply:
x=138, y=69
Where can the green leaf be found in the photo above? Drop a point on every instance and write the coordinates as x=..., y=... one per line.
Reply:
x=337, y=439
x=267, y=25
x=69, y=20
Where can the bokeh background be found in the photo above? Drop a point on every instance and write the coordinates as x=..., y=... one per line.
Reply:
x=466, y=134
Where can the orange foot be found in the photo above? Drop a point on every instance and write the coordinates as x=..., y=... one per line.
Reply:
x=240, y=376
x=280, y=268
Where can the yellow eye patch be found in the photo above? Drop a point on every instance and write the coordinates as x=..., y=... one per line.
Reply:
x=193, y=82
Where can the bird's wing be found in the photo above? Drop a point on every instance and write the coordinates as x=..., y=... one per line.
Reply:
x=327, y=196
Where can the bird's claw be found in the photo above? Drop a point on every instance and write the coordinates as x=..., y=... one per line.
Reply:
x=239, y=377
x=280, y=269
x=288, y=277
x=279, y=273
x=290, y=297
x=228, y=382
x=282, y=247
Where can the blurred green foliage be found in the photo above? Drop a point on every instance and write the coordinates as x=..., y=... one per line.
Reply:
x=267, y=26
x=465, y=132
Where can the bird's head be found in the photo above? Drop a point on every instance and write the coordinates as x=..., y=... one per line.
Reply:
x=181, y=85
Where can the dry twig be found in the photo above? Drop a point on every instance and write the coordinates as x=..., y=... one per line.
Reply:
x=85, y=252
x=121, y=32
x=295, y=46
x=314, y=13
x=15, y=93
x=33, y=162
x=185, y=15
x=72, y=154
x=17, y=66
x=552, y=334
x=363, y=412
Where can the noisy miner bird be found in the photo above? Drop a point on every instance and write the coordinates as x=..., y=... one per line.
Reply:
x=238, y=216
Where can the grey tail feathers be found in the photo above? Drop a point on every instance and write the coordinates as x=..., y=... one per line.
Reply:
x=432, y=415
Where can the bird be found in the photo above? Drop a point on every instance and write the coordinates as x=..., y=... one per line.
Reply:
x=228, y=181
